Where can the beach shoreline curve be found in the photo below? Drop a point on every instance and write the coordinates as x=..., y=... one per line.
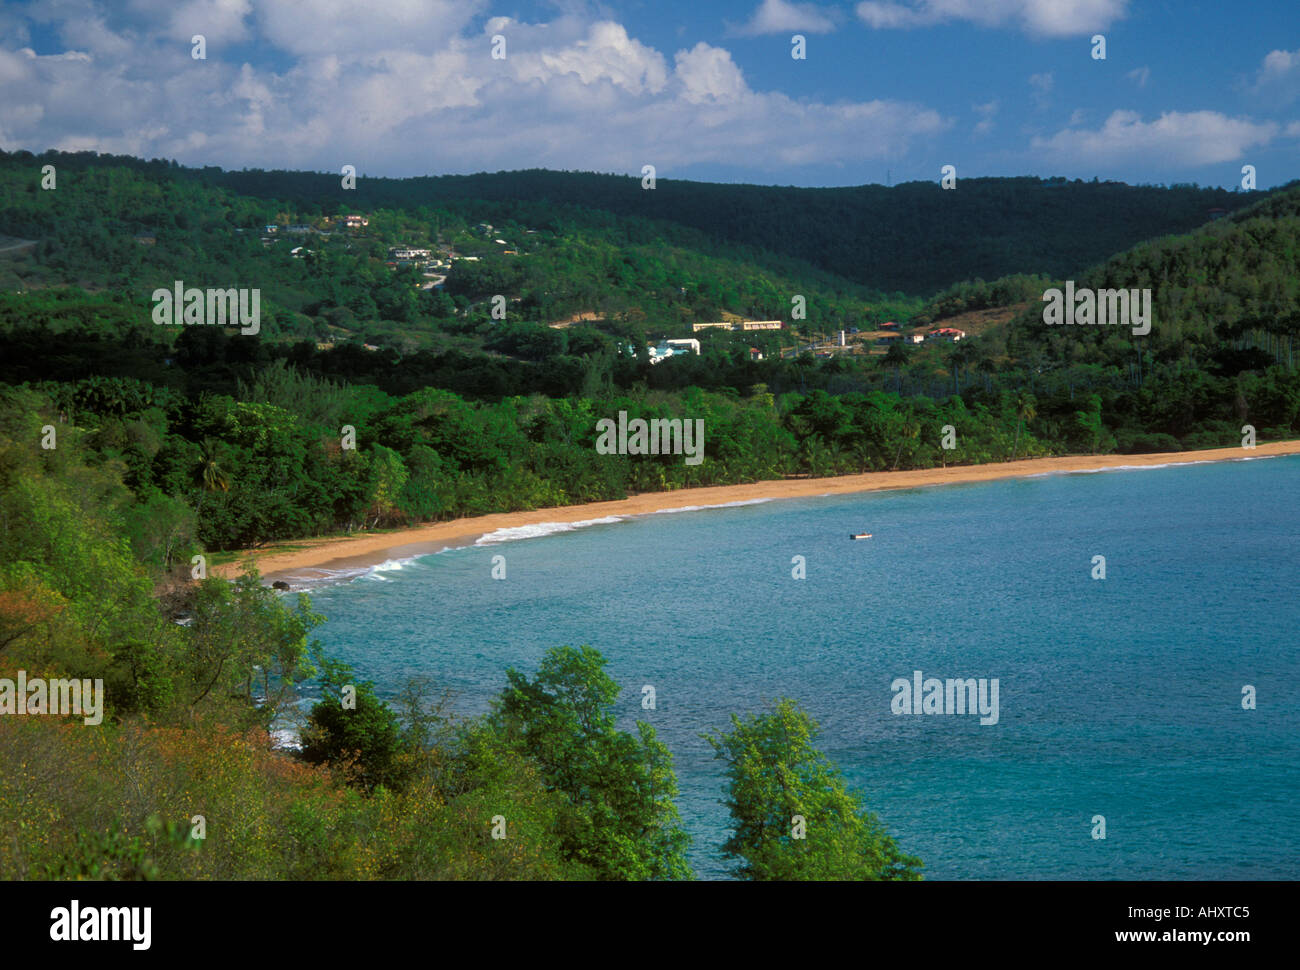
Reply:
x=293, y=558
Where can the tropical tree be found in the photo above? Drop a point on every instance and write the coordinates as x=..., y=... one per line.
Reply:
x=354, y=731
x=210, y=471
x=793, y=816
x=1026, y=407
x=622, y=822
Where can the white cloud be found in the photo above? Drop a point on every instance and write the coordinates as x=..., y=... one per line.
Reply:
x=783, y=16
x=219, y=21
x=606, y=53
x=1278, y=77
x=329, y=26
x=393, y=98
x=1048, y=18
x=987, y=112
x=709, y=74
x=1178, y=139
x=1140, y=74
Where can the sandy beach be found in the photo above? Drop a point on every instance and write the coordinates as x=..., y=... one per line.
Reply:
x=305, y=559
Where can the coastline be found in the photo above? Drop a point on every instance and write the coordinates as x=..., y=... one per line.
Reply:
x=290, y=560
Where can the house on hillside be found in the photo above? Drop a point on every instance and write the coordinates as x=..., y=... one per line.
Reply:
x=354, y=222
x=951, y=334
x=406, y=255
x=738, y=325
x=669, y=348
x=891, y=325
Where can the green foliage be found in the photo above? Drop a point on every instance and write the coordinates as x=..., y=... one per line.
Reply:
x=913, y=237
x=973, y=295
x=113, y=856
x=620, y=787
x=352, y=730
x=794, y=817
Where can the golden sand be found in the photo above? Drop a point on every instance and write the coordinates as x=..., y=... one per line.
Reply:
x=302, y=557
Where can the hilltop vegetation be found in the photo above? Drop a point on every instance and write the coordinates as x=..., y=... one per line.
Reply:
x=912, y=238
x=130, y=227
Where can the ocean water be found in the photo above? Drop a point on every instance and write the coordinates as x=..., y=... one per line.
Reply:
x=1119, y=697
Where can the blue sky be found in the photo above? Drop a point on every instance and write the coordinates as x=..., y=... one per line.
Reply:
x=1188, y=92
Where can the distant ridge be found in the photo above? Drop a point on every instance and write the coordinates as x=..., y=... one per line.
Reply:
x=911, y=238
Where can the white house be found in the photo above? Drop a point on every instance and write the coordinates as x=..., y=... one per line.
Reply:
x=667, y=348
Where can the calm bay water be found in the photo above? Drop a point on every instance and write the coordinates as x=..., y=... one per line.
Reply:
x=1119, y=697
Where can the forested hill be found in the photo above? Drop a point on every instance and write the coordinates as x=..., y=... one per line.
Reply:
x=914, y=238
x=1225, y=298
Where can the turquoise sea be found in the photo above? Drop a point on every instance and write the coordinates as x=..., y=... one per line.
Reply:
x=1119, y=697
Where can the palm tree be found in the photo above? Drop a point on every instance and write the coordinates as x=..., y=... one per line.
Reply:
x=908, y=430
x=897, y=356
x=961, y=357
x=1026, y=411
x=988, y=367
x=213, y=475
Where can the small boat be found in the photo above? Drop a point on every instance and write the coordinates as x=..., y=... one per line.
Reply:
x=860, y=535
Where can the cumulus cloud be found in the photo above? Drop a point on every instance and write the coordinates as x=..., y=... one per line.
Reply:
x=1140, y=75
x=606, y=53
x=394, y=93
x=708, y=74
x=1048, y=18
x=1278, y=78
x=784, y=16
x=1179, y=139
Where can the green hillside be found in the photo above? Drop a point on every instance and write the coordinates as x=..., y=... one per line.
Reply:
x=911, y=238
